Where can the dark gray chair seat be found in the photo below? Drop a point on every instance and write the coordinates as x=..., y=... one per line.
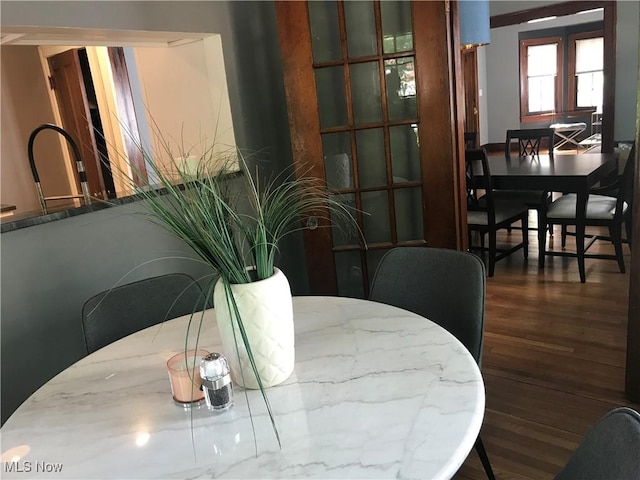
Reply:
x=611, y=211
x=599, y=207
x=445, y=286
x=610, y=450
x=121, y=311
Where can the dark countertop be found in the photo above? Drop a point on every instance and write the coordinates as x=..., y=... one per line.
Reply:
x=29, y=219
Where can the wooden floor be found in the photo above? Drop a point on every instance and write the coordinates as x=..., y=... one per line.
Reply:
x=553, y=362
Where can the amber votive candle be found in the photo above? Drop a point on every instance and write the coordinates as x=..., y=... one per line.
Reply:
x=184, y=374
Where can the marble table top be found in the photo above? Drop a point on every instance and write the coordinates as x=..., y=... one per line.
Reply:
x=377, y=392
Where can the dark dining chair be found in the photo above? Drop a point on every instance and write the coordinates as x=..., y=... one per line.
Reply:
x=610, y=208
x=470, y=140
x=529, y=143
x=487, y=215
x=445, y=286
x=126, y=309
x=609, y=450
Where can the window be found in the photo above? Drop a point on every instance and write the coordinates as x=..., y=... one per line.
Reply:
x=586, y=75
x=541, y=76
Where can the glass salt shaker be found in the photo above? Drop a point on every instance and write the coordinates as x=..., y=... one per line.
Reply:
x=216, y=381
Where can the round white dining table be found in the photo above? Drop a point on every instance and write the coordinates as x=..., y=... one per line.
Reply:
x=377, y=392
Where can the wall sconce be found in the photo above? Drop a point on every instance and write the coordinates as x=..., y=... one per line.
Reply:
x=474, y=23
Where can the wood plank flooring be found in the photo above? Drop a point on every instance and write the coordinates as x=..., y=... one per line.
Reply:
x=553, y=360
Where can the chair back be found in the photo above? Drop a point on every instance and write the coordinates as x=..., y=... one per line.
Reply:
x=529, y=141
x=610, y=449
x=478, y=179
x=444, y=286
x=625, y=192
x=470, y=140
x=121, y=311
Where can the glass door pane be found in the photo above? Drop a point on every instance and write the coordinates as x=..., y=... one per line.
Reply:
x=360, y=23
x=365, y=93
x=325, y=31
x=397, y=32
x=332, y=98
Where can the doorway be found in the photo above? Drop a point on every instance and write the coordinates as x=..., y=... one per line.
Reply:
x=71, y=80
x=470, y=80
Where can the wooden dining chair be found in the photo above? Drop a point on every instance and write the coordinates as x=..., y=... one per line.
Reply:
x=529, y=143
x=610, y=449
x=486, y=215
x=609, y=208
x=121, y=311
x=445, y=286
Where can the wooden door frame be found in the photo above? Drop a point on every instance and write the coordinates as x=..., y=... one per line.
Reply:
x=304, y=123
x=470, y=57
x=570, y=8
x=632, y=373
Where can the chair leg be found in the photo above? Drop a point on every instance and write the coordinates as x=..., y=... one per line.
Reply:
x=615, y=232
x=542, y=241
x=564, y=236
x=580, y=230
x=525, y=235
x=482, y=453
x=628, y=227
x=493, y=245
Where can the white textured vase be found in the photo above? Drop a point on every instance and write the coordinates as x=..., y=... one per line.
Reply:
x=266, y=310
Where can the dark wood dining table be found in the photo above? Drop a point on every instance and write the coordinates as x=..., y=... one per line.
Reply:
x=571, y=173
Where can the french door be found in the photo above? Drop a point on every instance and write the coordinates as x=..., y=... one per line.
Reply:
x=373, y=111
